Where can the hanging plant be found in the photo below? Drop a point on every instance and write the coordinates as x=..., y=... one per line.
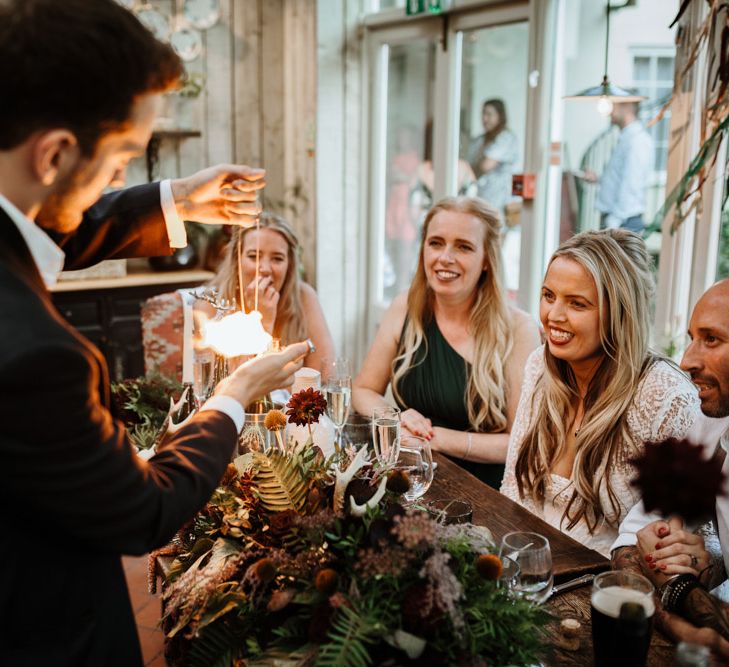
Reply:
x=712, y=35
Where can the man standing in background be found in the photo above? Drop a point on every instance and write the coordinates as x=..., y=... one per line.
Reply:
x=622, y=192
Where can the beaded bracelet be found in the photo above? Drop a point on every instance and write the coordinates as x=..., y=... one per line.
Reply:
x=675, y=591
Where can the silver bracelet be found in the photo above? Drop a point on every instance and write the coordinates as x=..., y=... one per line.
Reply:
x=468, y=449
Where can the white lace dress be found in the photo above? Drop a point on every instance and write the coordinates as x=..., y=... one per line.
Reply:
x=666, y=405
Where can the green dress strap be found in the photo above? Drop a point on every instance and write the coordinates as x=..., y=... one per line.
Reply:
x=435, y=386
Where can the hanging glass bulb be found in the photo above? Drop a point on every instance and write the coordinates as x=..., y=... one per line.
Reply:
x=604, y=105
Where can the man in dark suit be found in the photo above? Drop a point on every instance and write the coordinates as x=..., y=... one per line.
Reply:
x=80, y=81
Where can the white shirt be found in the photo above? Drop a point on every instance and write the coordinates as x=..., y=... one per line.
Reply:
x=49, y=259
x=624, y=182
x=711, y=433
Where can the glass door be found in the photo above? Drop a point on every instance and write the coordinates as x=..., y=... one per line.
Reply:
x=431, y=134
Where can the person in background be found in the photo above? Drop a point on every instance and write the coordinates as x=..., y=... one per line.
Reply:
x=289, y=307
x=621, y=196
x=423, y=185
x=493, y=154
x=450, y=347
x=82, y=82
x=660, y=548
x=595, y=392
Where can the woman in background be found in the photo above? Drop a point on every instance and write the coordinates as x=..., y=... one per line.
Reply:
x=289, y=307
x=452, y=349
x=595, y=393
x=493, y=154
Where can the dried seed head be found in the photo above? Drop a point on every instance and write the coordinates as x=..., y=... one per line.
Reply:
x=275, y=420
x=489, y=566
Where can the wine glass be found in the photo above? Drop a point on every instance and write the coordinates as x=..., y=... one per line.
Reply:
x=338, y=393
x=386, y=433
x=416, y=460
x=531, y=551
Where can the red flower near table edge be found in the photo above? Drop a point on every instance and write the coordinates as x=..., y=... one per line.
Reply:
x=674, y=477
x=306, y=406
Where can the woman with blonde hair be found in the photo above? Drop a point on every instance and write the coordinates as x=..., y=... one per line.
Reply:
x=451, y=347
x=289, y=307
x=595, y=393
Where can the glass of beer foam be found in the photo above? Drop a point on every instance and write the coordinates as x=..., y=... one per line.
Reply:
x=622, y=618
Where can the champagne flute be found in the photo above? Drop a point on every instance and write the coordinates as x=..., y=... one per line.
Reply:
x=386, y=434
x=338, y=393
x=531, y=552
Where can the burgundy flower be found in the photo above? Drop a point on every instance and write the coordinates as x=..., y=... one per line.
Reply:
x=675, y=478
x=306, y=406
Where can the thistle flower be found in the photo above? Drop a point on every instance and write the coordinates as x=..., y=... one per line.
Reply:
x=674, y=478
x=398, y=481
x=489, y=566
x=326, y=581
x=275, y=420
x=306, y=406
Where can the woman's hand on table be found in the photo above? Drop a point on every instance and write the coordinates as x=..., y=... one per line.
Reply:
x=268, y=298
x=416, y=424
x=667, y=549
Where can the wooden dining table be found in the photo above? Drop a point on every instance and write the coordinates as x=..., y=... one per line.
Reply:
x=570, y=559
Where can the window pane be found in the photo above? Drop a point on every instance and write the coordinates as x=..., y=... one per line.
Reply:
x=409, y=170
x=642, y=68
x=722, y=264
x=665, y=69
x=493, y=119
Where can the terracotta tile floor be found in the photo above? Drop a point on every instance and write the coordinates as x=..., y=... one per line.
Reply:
x=146, y=611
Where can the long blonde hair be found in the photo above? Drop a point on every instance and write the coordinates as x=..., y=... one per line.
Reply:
x=290, y=321
x=618, y=262
x=490, y=322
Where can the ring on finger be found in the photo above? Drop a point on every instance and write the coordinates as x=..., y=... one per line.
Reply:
x=694, y=561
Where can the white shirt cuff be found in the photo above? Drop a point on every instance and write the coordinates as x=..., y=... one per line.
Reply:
x=228, y=406
x=625, y=540
x=175, y=227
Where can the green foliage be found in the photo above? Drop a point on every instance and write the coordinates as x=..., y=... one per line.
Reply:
x=722, y=269
x=144, y=401
x=348, y=639
x=215, y=647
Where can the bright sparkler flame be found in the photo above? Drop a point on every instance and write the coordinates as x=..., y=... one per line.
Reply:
x=237, y=334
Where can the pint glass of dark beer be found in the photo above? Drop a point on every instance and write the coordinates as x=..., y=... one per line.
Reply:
x=622, y=618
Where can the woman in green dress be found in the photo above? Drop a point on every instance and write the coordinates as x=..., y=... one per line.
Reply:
x=452, y=348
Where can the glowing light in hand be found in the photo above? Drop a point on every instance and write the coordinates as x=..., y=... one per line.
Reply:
x=237, y=334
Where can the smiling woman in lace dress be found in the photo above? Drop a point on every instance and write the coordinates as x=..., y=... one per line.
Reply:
x=595, y=393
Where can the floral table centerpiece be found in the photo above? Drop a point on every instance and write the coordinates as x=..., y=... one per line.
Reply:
x=302, y=560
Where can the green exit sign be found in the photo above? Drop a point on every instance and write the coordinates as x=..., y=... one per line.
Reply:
x=413, y=7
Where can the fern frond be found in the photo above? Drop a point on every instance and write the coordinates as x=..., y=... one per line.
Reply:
x=215, y=646
x=280, y=485
x=350, y=634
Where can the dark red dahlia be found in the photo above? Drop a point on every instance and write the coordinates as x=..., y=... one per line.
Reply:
x=306, y=406
x=675, y=478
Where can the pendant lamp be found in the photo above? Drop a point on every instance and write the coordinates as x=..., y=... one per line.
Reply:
x=606, y=94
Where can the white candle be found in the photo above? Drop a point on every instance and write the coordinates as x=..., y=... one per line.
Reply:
x=187, y=374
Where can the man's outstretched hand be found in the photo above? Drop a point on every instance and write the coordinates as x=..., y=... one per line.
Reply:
x=226, y=194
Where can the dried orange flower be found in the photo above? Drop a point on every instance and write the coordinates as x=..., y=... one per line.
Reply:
x=275, y=420
x=489, y=566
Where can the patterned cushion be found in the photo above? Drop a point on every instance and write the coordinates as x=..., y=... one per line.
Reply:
x=162, y=325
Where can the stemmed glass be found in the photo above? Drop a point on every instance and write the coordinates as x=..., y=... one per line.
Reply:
x=531, y=552
x=386, y=434
x=338, y=393
x=415, y=458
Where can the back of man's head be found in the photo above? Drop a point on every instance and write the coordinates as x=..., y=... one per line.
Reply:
x=75, y=64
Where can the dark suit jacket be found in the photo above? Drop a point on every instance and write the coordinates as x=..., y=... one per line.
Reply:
x=73, y=493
